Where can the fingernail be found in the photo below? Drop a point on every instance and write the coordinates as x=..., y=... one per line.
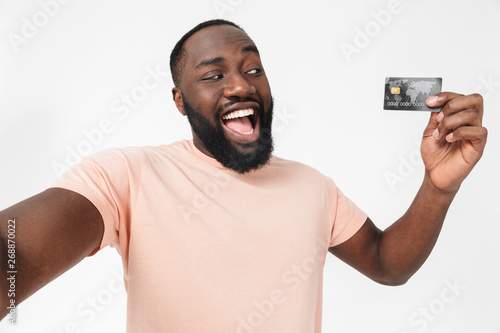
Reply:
x=435, y=134
x=449, y=137
x=440, y=116
x=432, y=100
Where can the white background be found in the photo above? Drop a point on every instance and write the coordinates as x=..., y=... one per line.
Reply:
x=64, y=79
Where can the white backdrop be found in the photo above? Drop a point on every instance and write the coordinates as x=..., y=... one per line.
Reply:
x=68, y=66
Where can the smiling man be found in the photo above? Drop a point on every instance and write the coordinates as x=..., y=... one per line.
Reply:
x=230, y=113
x=217, y=234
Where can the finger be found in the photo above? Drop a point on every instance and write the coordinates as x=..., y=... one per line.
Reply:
x=464, y=118
x=432, y=125
x=441, y=98
x=476, y=135
x=474, y=101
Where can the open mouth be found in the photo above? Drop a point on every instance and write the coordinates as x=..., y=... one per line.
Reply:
x=242, y=125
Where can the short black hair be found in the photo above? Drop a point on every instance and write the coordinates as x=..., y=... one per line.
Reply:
x=178, y=55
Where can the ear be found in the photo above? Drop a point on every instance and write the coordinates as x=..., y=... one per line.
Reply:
x=179, y=103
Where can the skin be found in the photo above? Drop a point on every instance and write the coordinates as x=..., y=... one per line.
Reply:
x=58, y=228
x=55, y=230
x=389, y=257
x=452, y=144
x=237, y=79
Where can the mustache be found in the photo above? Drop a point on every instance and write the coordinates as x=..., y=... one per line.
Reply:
x=234, y=101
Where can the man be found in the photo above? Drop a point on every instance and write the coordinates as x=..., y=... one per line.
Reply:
x=217, y=234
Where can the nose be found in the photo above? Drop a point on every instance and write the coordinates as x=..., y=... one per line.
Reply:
x=237, y=85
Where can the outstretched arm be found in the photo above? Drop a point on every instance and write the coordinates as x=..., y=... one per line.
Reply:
x=54, y=230
x=453, y=142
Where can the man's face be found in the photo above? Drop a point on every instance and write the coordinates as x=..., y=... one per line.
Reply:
x=225, y=94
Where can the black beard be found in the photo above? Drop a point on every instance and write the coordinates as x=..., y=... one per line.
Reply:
x=216, y=143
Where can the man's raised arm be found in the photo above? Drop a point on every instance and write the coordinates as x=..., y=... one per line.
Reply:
x=453, y=142
x=49, y=233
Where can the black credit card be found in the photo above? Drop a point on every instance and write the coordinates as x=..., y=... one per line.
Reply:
x=410, y=93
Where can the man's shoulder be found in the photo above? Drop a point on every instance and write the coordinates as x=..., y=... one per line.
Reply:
x=292, y=166
x=136, y=158
x=135, y=152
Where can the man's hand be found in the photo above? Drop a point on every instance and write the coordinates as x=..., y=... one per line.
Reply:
x=453, y=143
x=454, y=139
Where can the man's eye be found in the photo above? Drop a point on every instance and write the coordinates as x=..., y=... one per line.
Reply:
x=254, y=71
x=213, y=77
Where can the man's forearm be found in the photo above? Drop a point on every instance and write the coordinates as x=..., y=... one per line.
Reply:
x=406, y=244
x=452, y=143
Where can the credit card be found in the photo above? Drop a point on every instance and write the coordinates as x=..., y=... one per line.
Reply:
x=410, y=93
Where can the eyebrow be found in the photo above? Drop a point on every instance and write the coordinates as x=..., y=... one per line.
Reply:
x=209, y=62
x=250, y=48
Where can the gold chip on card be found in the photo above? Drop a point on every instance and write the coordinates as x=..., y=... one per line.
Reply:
x=395, y=90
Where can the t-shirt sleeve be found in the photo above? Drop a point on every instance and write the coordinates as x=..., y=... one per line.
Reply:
x=347, y=217
x=105, y=179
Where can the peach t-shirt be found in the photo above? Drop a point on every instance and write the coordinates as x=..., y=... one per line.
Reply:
x=206, y=249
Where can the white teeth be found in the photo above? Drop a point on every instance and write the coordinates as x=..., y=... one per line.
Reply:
x=248, y=133
x=238, y=114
